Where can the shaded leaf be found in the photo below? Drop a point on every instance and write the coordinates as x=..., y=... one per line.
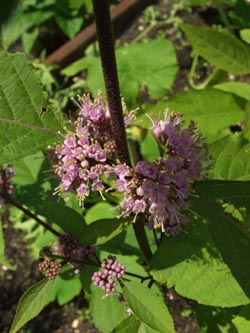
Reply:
x=67, y=219
x=235, y=192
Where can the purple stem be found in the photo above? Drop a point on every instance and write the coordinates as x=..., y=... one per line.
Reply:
x=107, y=52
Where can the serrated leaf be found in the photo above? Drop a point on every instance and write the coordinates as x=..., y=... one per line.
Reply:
x=26, y=126
x=148, y=307
x=107, y=312
x=102, y=231
x=3, y=259
x=31, y=303
x=219, y=48
x=152, y=64
x=232, y=240
x=194, y=267
x=211, y=109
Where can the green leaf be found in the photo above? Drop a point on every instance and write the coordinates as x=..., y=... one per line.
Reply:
x=69, y=25
x=67, y=219
x=31, y=303
x=99, y=210
x=3, y=259
x=24, y=127
x=102, y=231
x=66, y=286
x=245, y=35
x=211, y=109
x=130, y=324
x=152, y=64
x=149, y=148
x=235, y=192
x=240, y=166
x=19, y=22
x=230, y=238
x=246, y=129
x=240, y=89
x=227, y=156
x=29, y=170
x=194, y=267
x=242, y=321
x=29, y=38
x=219, y=48
x=146, y=329
x=107, y=312
x=148, y=307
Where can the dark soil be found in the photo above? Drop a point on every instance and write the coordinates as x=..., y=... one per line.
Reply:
x=55, y=319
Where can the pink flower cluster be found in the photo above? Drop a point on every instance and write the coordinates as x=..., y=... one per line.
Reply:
x=83, y=156
x=161, y=189
x=158, y=190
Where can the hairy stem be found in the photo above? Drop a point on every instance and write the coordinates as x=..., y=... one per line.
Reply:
x=106, y=45
x=107, y=52
x=33, y=216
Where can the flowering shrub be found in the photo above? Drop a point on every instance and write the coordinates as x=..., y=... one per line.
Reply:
x=136, y=247
x=160, y=190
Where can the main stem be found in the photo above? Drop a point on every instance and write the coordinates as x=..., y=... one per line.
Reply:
x=107, y=52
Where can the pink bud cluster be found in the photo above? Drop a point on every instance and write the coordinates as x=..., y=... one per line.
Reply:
x=75, y=253
x=84, y=155
x=160, y=189
x=50, y=268
x=67, y=250
x=111, y=269
x=6, y=188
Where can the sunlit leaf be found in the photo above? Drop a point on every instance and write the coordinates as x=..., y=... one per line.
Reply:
x=26, y=124
x=31, y=303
